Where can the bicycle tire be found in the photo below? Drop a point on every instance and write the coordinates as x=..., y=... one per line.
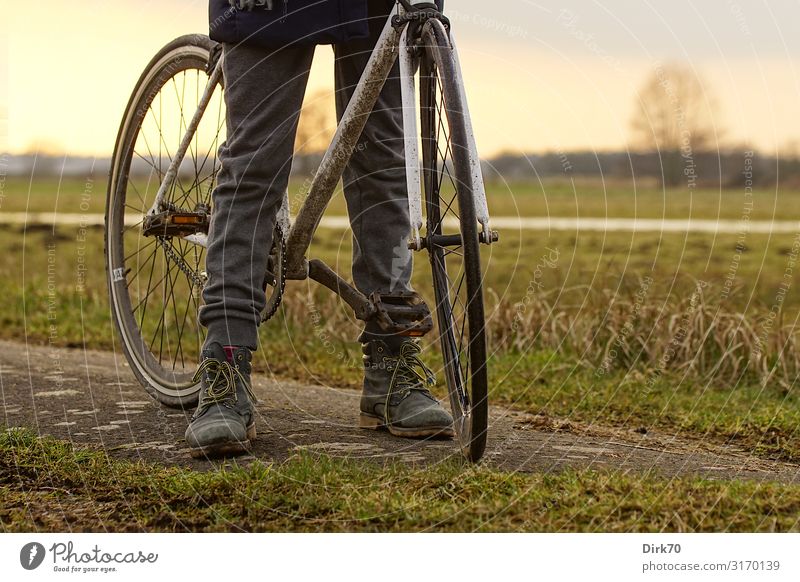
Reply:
x=172, y=385
x=459, y=305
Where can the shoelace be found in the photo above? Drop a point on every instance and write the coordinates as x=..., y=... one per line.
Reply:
x=406, y=377
x=218, y=392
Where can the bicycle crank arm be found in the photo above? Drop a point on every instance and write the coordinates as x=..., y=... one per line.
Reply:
x=324, y=275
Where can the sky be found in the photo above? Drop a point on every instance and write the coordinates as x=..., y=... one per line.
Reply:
x=541, y=76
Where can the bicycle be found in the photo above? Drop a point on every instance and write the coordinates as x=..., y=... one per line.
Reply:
x=159, y=209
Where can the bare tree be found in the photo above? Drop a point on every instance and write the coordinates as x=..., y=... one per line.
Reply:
x=675, y=118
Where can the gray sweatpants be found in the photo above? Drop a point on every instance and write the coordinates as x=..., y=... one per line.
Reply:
x=263, y=95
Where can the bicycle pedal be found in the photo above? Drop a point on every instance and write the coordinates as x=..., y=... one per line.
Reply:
x=402, y=313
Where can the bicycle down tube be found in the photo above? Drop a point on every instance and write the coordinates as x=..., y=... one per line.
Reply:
x=391, y=44
x=341, y=148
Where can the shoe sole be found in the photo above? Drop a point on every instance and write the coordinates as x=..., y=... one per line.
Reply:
x=369, y=422
x=226, y=449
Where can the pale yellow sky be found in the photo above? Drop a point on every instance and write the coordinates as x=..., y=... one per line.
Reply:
x=72, y=66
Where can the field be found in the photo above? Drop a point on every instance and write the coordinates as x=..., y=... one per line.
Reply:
x=683, y=333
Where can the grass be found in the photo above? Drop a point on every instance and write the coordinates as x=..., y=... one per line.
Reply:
x=580, y=324
x=586, y=198
x=575, y=332
x=47, y=485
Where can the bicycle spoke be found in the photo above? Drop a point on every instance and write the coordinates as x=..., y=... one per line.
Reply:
x=156, y=307
x=213, y=148
x=182, y=325
x=181, y=128
x=149, y=151
x=161, y=318
x=142, y=266
x=137, y=251
x=453, y=251
x=162, y=324
x=152, y=164
x=175, y=307
x=143, y=302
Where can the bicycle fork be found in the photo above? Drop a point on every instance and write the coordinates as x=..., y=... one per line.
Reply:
x=411, y=143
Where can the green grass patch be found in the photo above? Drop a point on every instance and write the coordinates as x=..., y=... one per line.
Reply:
x=46, y=485
x=47, y=299
x=43, y=303
x=553, y=197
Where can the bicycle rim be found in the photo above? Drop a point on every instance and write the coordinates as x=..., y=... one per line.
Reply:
x=155, y=282
x=456, y=268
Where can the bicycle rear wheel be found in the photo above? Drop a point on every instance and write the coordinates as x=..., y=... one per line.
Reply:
x=156, y=275
x=452, y=240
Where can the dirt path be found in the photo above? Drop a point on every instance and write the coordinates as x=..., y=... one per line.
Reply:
x=97, y=401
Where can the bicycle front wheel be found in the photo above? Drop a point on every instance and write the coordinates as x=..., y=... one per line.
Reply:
x=156, y=271
x=452, y=239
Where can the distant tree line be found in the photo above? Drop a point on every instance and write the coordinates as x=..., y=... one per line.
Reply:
x=725, y=169
x=677, y=140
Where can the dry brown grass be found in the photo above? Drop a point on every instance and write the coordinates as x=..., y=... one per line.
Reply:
x=684, y=335
x=609, y=331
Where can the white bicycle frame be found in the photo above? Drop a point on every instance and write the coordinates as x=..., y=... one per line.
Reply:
x=392, y=44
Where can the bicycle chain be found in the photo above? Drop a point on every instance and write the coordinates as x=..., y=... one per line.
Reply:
x=199, y=281
x=271, y=310
x=196, y=279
